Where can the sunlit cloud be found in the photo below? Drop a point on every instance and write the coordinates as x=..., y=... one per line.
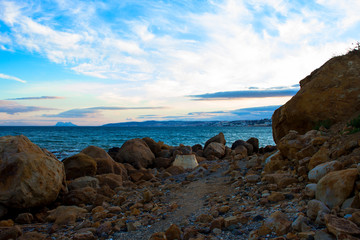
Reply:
x=7, y=77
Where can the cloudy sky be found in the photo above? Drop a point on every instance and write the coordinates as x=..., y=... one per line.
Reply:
x=96, y=62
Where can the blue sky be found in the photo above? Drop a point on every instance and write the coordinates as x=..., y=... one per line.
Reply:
x=95, y=62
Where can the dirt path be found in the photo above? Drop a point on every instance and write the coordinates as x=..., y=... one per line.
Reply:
x=191, y=200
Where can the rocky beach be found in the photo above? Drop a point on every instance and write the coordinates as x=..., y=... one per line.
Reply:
x=305, y=187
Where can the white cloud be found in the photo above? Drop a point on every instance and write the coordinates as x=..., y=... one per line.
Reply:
x=7, y=77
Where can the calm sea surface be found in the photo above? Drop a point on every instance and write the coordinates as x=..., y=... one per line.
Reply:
x=66, y=141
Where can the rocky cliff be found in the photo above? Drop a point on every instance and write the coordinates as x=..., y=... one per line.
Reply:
x=330, y=94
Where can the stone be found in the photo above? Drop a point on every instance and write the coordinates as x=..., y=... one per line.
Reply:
x=7, y=223
x=240, y=152
x=82, y=182
x=135, y=152
x=86, y=195
x=252, y=178
x=110, y=179
x=310, y=190
x=247, y=145
x=276, y=197
x=24, y=218
x=231, y=220
x=220, y=138
x=327, y=96
x=255, y=143
x=321, y=156
x=218, y=223
x=154, y=146
x=173, y=232
x=281, y=179
x=335, y=187
x=175, y=170
x=214, y=149
x=32, y=236
x=28, y=176
x=158, y=236
x=301, y=224
x=322, y=235
x=79, y=165
x=105, y=227
x=204, y=218
x=104, y=162
x=185, y=161
x=321, y=170
x=87, y=235
x=147, y=196
x=353, y=202
x=10, y=233
x=65, y=215
x=314, y=207
x=278, y=222
x=338, y=226
x=162, y=162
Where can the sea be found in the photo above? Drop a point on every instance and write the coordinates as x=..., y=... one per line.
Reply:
x=67, y=141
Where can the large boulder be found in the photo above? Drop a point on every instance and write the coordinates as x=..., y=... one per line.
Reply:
x=79, y=165
x=328, y=95
x=28, y=176
x=105, y=163
x=135, y=152
x=154, y=146
x=335, y=187
x=220, y=138
x=214, y=149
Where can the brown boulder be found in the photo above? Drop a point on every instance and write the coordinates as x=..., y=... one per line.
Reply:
x=105, y=164
x=214, y=149
x=154, y=146
x=110, y=179
x=220, y=138
x=135, y=152
x=329, y=95
x=335, y=187
x=28, y=176
x=79, y=165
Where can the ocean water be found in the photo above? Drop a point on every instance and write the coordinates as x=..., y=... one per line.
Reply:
x=67, y=141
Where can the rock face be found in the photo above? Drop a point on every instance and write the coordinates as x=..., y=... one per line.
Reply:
x=135, y=152
x=335, y=187
x=28, y=177
x=328, y=94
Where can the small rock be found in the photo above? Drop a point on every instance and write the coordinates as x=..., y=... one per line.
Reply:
x=173, y=232
x=338, y=226
x=310, y=190
x=314, y=207
x=24, y=218
x=278, y=222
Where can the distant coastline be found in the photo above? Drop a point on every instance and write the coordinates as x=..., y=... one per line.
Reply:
x=238, y=123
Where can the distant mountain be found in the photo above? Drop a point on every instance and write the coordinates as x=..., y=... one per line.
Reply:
x=65, y=124
x=263, y=122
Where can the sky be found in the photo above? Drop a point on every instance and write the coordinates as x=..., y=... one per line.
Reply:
x=97, y=62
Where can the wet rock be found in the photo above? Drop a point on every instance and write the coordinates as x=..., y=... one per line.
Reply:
x=214, y=149
x=135, y=152
x=321, y=170
x=220, y=138
x=335, y=187
x=24, y=164
x=79, y=165
x=278, y=222
x=185, y=161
